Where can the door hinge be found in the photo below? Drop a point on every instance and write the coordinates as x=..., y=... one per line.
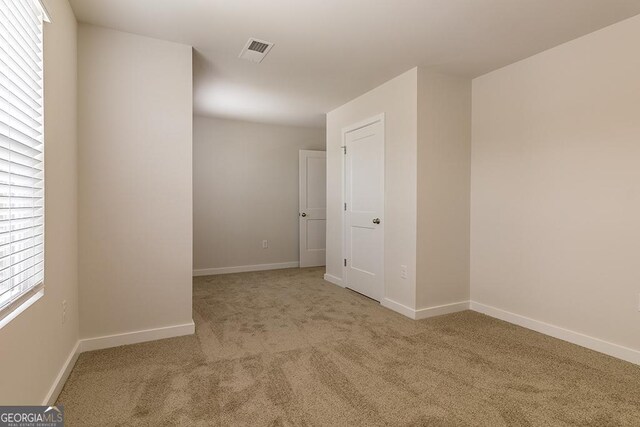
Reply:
x=345, y=206
x=344, y=147
x=345, y=262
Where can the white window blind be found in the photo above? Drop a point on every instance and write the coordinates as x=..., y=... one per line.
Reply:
x=21, y=152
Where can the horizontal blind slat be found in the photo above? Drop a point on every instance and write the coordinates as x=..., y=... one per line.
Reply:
x=20, y=181
x=20, y=202
x=32, y=170
x=11, y=214
x=20, y=224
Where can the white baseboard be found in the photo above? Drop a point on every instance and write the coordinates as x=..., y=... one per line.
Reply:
x=424, y=313
x=62, y=377
x=439, y=310
x=398, y=308
x=89, y=344
x=99, y=343
x=333, y=279
x=596, y=344
x=108, y=341
x=245, y=268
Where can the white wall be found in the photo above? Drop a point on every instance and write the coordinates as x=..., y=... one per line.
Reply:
x=135, y=193
x=397, y=99
x=35, y=345
x=245, y=186
x=444, y=164
x=555, y=232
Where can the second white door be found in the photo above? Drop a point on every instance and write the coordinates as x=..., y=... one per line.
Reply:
x=313, y=207
x=364, y=209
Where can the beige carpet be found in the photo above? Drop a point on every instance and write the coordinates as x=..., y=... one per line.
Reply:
x=287, y=348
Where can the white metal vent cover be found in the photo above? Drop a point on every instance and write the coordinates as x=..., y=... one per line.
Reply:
x=255, y=50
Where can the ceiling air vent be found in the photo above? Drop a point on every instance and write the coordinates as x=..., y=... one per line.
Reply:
x=255, y=50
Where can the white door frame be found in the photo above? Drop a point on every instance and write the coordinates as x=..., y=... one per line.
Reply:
x=345, y=130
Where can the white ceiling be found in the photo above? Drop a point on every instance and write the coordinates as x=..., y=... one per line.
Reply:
x=330, y=51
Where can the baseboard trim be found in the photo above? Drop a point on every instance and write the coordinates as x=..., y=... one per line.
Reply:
x=596, y=344
x=62, y=377
x=398, y=308
x=244, y=268
x=424, y=313
x=108, y=341
x=439, y=310
x=333, y=279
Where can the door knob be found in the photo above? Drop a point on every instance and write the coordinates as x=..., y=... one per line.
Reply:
x=376, y=220
x=303, y=214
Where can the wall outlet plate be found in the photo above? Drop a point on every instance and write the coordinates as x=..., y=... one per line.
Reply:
x=403, y=272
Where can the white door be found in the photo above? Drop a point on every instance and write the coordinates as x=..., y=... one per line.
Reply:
x=313, y=207
x=364, y=209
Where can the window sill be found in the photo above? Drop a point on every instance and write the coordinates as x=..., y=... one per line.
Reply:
x=14, y=310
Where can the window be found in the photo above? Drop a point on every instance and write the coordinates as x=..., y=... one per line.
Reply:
x=21, y=155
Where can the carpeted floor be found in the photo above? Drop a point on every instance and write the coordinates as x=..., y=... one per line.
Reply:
x=287, y=348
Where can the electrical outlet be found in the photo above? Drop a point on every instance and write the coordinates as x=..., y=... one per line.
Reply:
x=403, y=272
x=265, y=244
x=64, y=311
